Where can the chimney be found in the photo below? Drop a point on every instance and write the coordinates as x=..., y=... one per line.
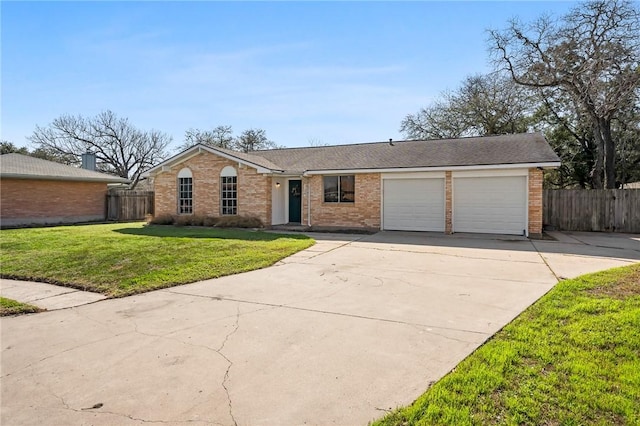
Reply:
x=89, y=161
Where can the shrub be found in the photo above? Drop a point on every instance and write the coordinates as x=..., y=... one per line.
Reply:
x=239, y=222
x=210, y=221
x=163, y=219
x=190, y=220
x=199, y=220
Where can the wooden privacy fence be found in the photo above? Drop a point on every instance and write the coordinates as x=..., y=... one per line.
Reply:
x=614, y=210
x=129, y=205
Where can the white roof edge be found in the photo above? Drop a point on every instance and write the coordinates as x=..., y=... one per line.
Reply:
x=549, y=165
x=185, y=155
x=115, y=179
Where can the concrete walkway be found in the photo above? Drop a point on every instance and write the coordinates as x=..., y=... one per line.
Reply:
x=47, y=296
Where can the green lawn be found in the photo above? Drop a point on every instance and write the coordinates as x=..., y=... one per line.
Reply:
x=573, y=358
x=123, y=259
x=12, y=307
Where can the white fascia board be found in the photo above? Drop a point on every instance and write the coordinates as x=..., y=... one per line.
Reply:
x=259, y=168
x=278, y=173
x=176, y=159
x=198, y=149
x=433, y=169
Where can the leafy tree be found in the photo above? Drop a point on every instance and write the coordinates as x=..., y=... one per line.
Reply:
x=483, y=105
x=626, y=130
x=7, y=147
x=120, y=148
x=51, y=155
x=592, y=56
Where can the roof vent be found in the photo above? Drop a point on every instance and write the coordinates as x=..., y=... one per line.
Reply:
x=391, y=142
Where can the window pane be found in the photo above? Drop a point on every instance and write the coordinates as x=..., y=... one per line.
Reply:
x=347, y=189
x=185, y=195
x=229, y=195
x=330, y=189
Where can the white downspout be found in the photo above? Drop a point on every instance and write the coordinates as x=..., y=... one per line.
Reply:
x=308, y=202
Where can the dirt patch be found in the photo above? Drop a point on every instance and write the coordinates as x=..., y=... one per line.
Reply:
x=622, y=288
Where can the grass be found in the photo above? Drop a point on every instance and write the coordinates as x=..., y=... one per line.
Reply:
x=573, y=358
x=124, y=259
x=12, y=307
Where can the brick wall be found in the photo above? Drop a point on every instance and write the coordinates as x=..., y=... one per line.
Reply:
x=448, y=203
x=254, y=190
x=535, y=202
x=27, y=201
x=363, y=213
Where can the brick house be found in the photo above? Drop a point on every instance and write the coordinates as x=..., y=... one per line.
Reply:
x=36, y=191
x=487, y=184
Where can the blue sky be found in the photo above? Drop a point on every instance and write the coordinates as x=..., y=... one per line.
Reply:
x=333, y=72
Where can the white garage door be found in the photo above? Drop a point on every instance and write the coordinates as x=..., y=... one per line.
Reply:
x=413, y=204
x=495, y=205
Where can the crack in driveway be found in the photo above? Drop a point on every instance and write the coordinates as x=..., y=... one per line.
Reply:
x=226, y=373
x=364, y=317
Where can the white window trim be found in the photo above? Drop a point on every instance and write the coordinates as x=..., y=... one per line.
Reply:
x=184, y=173
x=228, y=173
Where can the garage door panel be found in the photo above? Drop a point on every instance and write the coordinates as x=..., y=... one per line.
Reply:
x=490, y=204
x=414, y=204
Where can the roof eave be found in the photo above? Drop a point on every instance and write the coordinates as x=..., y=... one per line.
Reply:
x=543, y=165
x=64, y=178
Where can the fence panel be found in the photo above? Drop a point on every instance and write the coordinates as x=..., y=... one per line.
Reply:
x=129, y=205
x=613, y=210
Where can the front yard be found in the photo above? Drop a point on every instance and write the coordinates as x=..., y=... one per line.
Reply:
x=573, y=358
x=123, y=259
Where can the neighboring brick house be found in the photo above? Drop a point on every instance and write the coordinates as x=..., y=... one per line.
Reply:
x=36, y=191
x=489, y=184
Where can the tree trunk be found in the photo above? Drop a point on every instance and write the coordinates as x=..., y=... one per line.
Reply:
x=609, y=154
x=598, y=166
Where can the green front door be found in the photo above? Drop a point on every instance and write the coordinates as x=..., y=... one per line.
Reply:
x=295, y=201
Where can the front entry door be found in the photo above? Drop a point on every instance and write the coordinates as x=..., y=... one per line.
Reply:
x=295, y=201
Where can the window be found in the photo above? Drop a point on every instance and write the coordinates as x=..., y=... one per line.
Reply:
x=339, y=189
x=228, y=191
x=185, y=192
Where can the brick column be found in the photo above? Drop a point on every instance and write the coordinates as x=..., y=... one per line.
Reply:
x=448, y=227
x=535, y=202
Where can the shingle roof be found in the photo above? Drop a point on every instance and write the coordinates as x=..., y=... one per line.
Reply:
x=253, y=157
x=26, y=167
x=473, y=151
x=524, y=148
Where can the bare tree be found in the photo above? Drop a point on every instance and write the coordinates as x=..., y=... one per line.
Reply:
x=253, y=140
x=315, y=142
x=483, y=105
x=220, y=136
x=120, y=148
x=592, y=55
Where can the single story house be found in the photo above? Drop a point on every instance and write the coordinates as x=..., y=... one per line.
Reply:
x=489, y=184
x=36, y=191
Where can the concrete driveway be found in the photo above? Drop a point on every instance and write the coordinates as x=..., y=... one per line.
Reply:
x=337, y=334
